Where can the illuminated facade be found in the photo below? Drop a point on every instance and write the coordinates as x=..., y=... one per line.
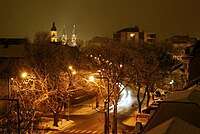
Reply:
x=133, y=34
x=64, y=38
x=74, y=36
x=54, y=33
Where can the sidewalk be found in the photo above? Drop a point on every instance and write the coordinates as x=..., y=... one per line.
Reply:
x=131, y=121
x=85, y=108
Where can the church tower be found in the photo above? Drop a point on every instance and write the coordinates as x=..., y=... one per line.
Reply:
x=54, y=33
x=64, y=36
x=74, y=37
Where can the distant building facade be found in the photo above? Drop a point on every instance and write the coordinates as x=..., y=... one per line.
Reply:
x=180, y=43
x=12, y=47
x=134, y=35
x=182, y=51
x=54, y=33
x=11, y=51
x=194, y=65
x=64, y=40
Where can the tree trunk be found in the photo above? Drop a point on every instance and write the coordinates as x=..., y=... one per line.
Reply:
x=56, y=119
x=114, y=129
x=139, y=107
x=139, y=103
x=148, y=96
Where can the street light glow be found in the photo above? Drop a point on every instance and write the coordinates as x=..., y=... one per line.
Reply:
x=70, y=67
x=24, y=75
x=91, y=78
x=171, y=82
x=132, y=35
x=74, y=72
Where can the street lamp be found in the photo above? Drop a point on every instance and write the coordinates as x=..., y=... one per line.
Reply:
x=70, y=67
x=172, y=85
x=10, y=80
x=106, y=125
x=24, y=75
x=71, y=72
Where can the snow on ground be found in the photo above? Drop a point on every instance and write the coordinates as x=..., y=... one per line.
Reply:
x=63, y=123
x=85, y=110
x=88, y=108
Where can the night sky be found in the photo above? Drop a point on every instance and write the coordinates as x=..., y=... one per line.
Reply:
x=23, y=18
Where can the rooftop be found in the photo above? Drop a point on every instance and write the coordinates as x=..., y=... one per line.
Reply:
x=129, y=29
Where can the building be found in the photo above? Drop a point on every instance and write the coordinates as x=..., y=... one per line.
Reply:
x=177, y=114
x=64, y=40
x=64, y=36
x=54, y=33
x=183, y=46
x=133, y=34
x=180, y=43
x=149, y=37
x=11, y=51
x=12, y=47
x=194, y=65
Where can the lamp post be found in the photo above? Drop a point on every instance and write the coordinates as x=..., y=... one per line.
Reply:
x=9, y=86
x=172, y=85
x=71, y=72
x=106, y=103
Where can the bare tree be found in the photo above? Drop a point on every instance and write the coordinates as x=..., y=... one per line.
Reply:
x=111, y=60
x=47, y=64
x=151, y=65
x=50, y=79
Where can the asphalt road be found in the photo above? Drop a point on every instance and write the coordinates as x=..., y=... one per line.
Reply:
x=92, y=124
x=86, y=124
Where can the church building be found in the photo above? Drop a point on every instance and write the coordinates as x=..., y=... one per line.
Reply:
x=64, y=40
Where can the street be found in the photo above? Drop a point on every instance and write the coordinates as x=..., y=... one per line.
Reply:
x=94, y=123
x=90, y=124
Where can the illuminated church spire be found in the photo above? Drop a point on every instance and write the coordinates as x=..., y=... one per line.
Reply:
x=54, y=33
x=74, y=36
x=64, y=36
